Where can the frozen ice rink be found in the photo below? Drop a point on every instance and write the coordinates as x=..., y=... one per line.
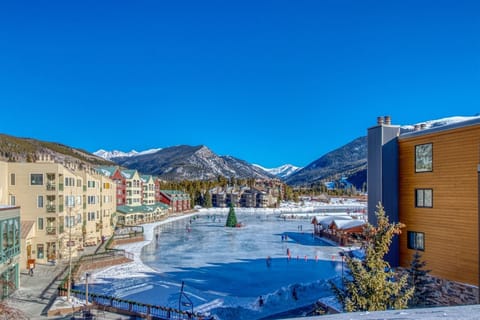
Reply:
x=226, y=270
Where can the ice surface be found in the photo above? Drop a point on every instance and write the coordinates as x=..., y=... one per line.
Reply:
x=225, y=270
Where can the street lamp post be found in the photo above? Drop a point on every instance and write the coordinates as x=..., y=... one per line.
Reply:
x=69, y=285
x=86, y=288
x=342, y=254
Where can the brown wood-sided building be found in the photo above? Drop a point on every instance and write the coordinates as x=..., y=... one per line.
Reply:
x=429, y=180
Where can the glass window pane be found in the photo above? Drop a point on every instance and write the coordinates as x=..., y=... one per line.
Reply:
x=428, y=195
x=419, y=197
x=36, y=179
x=423, y=158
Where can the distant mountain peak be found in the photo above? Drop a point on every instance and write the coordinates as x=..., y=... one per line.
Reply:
x=185, y=162
x=282, y=172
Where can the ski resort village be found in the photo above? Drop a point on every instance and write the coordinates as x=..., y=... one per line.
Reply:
x=140, y=235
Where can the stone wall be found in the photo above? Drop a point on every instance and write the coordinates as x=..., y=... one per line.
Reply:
x=448, y=293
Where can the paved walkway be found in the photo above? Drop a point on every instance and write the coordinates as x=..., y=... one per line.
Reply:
x=38, y=293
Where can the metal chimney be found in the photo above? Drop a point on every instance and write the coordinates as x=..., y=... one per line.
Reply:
x=379, y=121
x=388, y=120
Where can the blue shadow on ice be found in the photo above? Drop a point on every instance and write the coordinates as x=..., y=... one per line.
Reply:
x=304, y=238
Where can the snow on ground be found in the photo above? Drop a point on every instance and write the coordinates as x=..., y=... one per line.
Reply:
x=226, y=270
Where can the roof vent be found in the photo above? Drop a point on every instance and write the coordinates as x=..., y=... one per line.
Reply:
x=379, y=121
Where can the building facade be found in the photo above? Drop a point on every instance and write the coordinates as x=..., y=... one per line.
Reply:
x=434, y=191
x=62, y=209
x=178, y=201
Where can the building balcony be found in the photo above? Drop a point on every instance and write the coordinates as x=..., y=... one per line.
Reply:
x=51, y=231
x=51, y=209
x=51, y=186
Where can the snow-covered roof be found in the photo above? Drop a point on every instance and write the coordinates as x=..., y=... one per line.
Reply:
x=348, y=224
x=326, y=221
x=442, y=125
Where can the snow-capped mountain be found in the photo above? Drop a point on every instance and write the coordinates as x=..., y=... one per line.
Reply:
x=282, y=172
x=190, y=163
x=109, y=155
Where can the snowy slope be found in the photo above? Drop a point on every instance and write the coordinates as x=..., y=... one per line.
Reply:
x=282, y=172
x=108, y=155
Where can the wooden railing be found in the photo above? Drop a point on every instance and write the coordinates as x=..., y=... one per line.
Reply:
x=130, y=307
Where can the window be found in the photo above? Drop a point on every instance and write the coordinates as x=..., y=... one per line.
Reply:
x=40, y=202
x=70, y=201
x=13, y=201
x=69, y=221
x=424, y=198
x=91, y=184
x=424, y=158
x=416, y=240
x=79, y=183
x=36, y=179
x=91, y=200
x=12, y=179
x=69, y=182
x=40, y=223
x=91, y=216
x=40, y=252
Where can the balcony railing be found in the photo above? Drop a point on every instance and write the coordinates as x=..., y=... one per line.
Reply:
x=51, y=230
x=51, y=208
x=51, y=186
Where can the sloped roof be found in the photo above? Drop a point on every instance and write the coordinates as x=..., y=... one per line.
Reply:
x=128, y=174
x=146, y=177
x=348, y=224
x=326, y=221
x=26, y=227
x=142, y=208
x=107, y=171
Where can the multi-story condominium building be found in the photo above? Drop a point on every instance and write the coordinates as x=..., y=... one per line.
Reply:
x=133, y=187
x=61, y=208
x=9, y=239
x=178, y=201
x=148, y=193
x=429, y=180
x=232, y=197
x=114, y=173
x=248, y=198
x=219, y=197
x=98, y=207
x=108, y=207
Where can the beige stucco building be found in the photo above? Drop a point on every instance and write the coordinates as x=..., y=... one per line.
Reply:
x=63, y=208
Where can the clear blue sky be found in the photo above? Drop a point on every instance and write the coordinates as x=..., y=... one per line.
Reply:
x=270, y=82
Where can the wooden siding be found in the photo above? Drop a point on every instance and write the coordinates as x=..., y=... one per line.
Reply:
x=451, y=226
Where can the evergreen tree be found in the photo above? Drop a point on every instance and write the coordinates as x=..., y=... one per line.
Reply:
x=371, y=285
x=420, y=280
x=231, y=218
x=207, y=201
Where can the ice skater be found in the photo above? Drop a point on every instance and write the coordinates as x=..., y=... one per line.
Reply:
x=260, y=301
x=294, y=293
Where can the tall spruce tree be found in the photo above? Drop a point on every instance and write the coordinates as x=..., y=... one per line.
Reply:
x=370, y=284
x=420, y=280
x=231, y=218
